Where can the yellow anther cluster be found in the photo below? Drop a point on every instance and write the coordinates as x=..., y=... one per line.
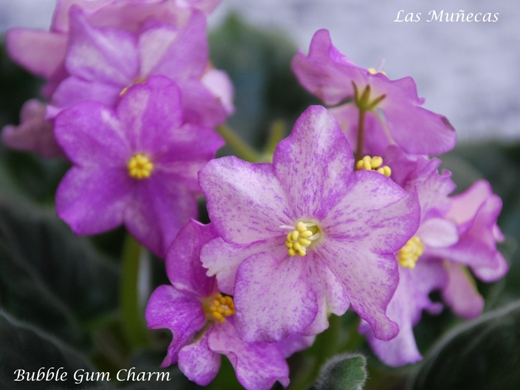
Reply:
x=373, y=164
x=410, y=253
x=298, y=240
x=140, y=166
x=220, y=308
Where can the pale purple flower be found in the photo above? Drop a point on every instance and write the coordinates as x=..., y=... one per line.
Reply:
x=454, y=233
x=34, y=133
x=135, y=165
x=203, y=325
x=393, y=109
x=305, y=236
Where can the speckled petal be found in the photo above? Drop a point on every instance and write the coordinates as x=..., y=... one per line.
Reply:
x=199, y=363
x=181, y=313
x=258, y=366
x=222, y=259
x=274, y=297
x=245, y=201
x=313, y=164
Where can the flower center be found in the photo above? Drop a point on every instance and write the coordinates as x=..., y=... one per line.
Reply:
x=218, y=307
x=140, y=166
x=136, y=81
x=374, y=163
x=410, y=253
x=301, y=237
x=362, y=99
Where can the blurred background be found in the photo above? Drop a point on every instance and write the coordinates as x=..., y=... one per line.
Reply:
x=466, y=71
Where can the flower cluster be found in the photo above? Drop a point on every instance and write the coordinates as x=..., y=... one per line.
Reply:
x=351, y=213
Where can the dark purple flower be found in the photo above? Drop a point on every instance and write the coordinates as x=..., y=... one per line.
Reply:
x=135, y=165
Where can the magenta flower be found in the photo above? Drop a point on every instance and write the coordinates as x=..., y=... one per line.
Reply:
x=454, y=233
x=393, y=112
x=104, y=62
x=303, y=237
x=202, y=321
x=135, y=165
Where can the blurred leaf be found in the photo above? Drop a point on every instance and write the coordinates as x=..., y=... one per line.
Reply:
x=343, y=372
x=258, y=62
x=482, y=354
x=25, y=348
x=49, y=276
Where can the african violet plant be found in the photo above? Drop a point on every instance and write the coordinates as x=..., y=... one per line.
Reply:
x=347, y=214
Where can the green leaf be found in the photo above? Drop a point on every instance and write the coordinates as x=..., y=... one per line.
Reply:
x=28, y=349
x=482, y=354
x=50, y=277
x=343, y=372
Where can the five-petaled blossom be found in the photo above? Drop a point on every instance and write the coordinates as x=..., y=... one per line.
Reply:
x=304, y=236
x=391, y=109
x=135, y=165
x=454, y=233
x=202, y=321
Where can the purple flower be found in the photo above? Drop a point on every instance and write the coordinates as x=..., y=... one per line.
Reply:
x=105, y=62
x=454, y=233
x=43, y=53
x=135, y=165
x=303, y=237
x=393, y=112
x=34, y=132
x=202, y=321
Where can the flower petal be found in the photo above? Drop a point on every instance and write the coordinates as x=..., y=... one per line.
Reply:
x=31, y=49
x=93, y=200
x=183, y=264
x=160, y=208
x=313, y=163
x=91, y=135
x=105, y=55
x=461, y=293
x=258, y=366
x=199, y=363
x=177, y=311
x=273, y=297
x=245, y=201
x=438, y=232
x=222, y=259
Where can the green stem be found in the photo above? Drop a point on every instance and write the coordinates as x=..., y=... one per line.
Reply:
x=361, y=134
x=133, y=321
x=241, y=148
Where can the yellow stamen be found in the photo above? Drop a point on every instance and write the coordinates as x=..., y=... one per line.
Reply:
x=301, y=238
x=374, y=71
x=136, y=81
x=140, y=166
x=218, y=308
x=410, y=253
x=374, y=163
